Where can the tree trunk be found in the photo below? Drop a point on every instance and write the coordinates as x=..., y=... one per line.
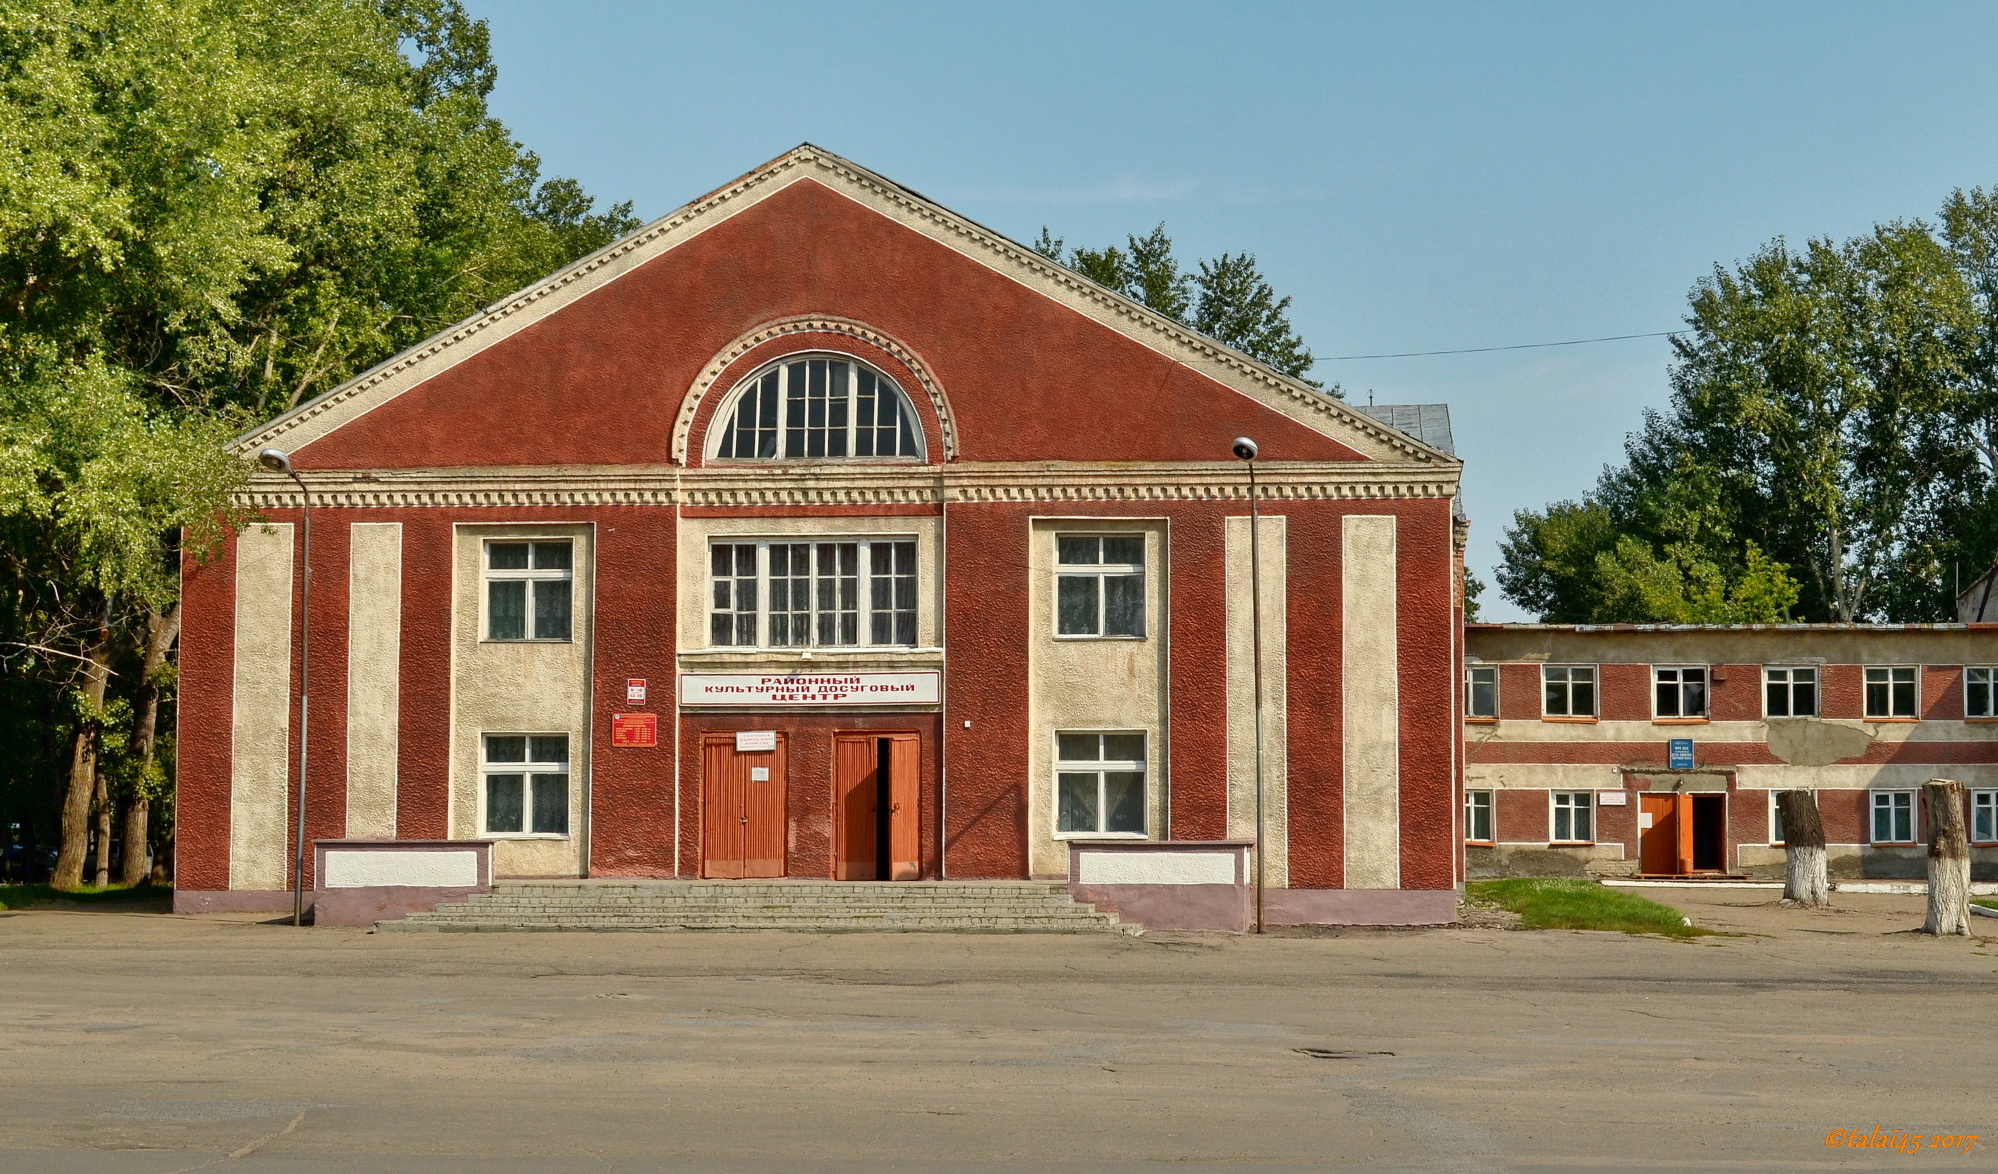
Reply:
x=100, y=800
x=1804, y=880
x=1949, y=859
x=162, y=629
x=83, y=758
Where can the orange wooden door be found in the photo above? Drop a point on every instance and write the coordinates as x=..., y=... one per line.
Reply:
x=856, y=806
x=742, y=810
x=905, y=757
x=1683, y=807
x=1658, y=845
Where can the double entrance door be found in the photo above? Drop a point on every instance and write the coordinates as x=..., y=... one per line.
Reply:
x=743, y=799
x=875, y=818
x=875, y=829
x=1678, y=834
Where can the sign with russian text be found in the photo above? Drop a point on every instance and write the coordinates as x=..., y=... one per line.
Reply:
x=634, y=690
x=634, y=729
x=1679, y=754
x=754, y=741
x=785, y=690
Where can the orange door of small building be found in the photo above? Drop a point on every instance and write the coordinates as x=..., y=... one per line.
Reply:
x=1658, y=844
x=856, y=806
x=905, y=766
x=1683, y=818
x=742, y=810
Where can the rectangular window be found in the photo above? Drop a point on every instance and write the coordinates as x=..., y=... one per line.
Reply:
x=526, y=784
x=1680, y=691
x=1100, y=585
x=1569, y=690
x=1984, y=817
x=1775, y=820
x=781, y=594
x=1481, y=691
x=1099, y=784
x=1890, y=690
x=1478, y=817
x=528, y=590
x=1893, y=817
x=1978, y=699
x=1574, y=813
x=1790, y=692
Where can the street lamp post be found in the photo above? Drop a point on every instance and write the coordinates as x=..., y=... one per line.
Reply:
x=1245, y=449
x=277, y=462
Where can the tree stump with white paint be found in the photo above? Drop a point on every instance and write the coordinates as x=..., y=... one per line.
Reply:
x=1804, y=878
x=1949, y=859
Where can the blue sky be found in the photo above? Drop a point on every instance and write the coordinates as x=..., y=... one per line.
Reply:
x=1416, y=176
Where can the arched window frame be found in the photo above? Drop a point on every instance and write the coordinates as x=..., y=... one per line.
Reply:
x=840, y=426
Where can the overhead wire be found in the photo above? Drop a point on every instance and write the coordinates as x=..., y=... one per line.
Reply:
x=1521, y=346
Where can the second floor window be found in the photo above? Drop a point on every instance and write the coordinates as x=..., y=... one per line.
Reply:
x=1570, y=690
x=775, y=593
x=529, y=588
x=1100, y=585
x=1481, y=690
x=1681, y=691
x=1790, y=692
x=1978, y=691
x=1890, y=690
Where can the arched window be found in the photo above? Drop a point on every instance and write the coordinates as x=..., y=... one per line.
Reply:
x=818, y=406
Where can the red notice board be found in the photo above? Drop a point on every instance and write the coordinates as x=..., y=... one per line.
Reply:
x=634, y=729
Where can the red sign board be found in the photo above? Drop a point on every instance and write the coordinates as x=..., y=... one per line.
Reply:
x=634, y=729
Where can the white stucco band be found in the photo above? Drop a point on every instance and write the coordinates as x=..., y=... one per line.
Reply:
x=1369, y=665
x=1155, y=868
x=374, y=663
x=260, y=723
x=1273, y=538
x=442, y=869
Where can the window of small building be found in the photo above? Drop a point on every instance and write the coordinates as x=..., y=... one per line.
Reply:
x=1568, y=690
x=1099, y=784
x=1478, y=817
x=1890, y=691
x=1100, y=585
x=1775, y=821
x=1980, y=697
x=1893, y=817
x=1679, y=691
x=1574, y=817
x=529, y=590
x=1790, y=692
x=776, y=593
x=1481, y=691
x=817, y=408
x=1984, y=817
x=526, y=784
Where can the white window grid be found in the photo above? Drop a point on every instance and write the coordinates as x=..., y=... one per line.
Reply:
x=1478, y=826
x=1481, y=686
x=543, y=602
x=812, y=592
x=524, y=786
x=1573, y=816
x=1096, y=771
x=1790, y=691
x=1099, y=586
x=1980, y=690
x=1893, y=691
x=1984, y=817
x=1568, y=690
x=817, y=407
x=1775, y=821
x=1893, y=817
x=1679, y=691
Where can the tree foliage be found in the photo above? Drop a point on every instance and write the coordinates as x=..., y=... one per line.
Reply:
x=1227, y=298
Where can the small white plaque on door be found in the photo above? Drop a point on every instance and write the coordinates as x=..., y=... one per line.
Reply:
x=1611, y=798
x=1643, y=820
x=759, y=774
x=753, y=740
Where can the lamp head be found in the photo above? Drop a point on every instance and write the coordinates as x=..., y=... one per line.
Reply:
x=1245, y=448
x=275, y=460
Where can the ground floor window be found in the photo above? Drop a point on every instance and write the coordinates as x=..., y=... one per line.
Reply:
x=1893, y=817
x=1980, y=699
x=526, y=779
x=1574, y=821
x=1478, y=817
x=1984, y=816
x=1099, y=784
x=1775, y=820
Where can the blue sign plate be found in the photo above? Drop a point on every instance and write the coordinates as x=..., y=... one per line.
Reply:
x=1680, y=753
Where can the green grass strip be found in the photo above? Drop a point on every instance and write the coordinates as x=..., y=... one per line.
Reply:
x=1548, y=903
x=43, y=896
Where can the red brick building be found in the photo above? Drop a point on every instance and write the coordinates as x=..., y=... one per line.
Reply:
x=817, y=531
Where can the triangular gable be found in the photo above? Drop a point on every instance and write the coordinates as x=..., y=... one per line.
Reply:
x=1289, y=397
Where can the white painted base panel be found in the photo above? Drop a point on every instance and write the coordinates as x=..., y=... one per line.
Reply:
x=362, y=870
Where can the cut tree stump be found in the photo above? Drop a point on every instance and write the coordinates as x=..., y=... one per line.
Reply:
x=1804, y=878
x=1949, y=859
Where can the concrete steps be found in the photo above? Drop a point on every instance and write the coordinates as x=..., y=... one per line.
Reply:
x=811, y=906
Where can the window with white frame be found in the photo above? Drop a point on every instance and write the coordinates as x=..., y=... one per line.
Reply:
x=778, y=593
x=1893, y=817
x=1568, y=690
x=1478, y=817
x=1679, y=691
x=1790, y=692
x=1574, y=817
x=1099, y=784
x=817, y=407
x=1099, y=584
x=1984, y=817
x=1980, y=691
x=1890, y=690
x=529, y=589
x=526, y=789
x=1775, y=819
x=1481, y=690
